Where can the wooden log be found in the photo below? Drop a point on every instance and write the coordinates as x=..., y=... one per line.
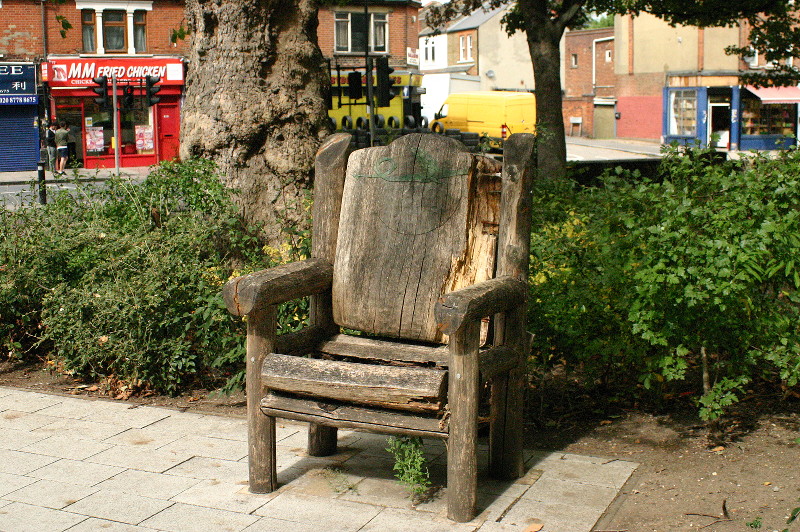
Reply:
x=370, y=348
x=353, y=417
x=483, y=299
x=276, y=285
x=330, y=168
x=506, y=423
x=462, y=451
x=507, y=390
x=302, y=342
x=519, y=171
x=496, y=361
x=410, y=388
x=402, y=228
x=263, y=474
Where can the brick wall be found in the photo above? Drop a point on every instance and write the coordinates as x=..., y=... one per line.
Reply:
x=582, y=108
x=403, y=31
x=640, y=117
x=578, y=52
x=21, y=29
x=454, y=49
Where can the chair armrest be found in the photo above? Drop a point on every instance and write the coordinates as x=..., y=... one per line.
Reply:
x=453, y=310
x=277, y=285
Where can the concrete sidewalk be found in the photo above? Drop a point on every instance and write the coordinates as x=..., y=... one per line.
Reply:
x=23, y=178
x=69, y=463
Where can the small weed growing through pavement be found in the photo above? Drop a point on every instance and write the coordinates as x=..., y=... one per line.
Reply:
x=410, y=465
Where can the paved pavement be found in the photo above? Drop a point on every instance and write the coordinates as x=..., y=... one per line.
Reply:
x=77, y=464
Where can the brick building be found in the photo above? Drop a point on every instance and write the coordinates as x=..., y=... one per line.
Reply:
x=393, y=30
x=589, y=83
x=126, y=39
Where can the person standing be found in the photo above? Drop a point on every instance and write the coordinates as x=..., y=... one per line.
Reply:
x=50, y=144
x=62, y=146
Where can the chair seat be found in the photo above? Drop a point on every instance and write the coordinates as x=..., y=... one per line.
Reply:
x=411, y=388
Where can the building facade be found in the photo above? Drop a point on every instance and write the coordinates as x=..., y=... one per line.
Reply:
x=589, y=100
x=124, y=40
x=385, y=28
x=678, y=85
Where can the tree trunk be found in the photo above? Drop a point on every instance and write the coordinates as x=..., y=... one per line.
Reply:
x=254, y=102
x=543, y=44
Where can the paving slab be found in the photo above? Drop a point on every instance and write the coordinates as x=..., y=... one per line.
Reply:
x=77, y=464
x=20, y=517
x=118, y=506
x=50, y=494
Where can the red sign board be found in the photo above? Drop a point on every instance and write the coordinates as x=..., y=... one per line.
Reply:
x=80, y=72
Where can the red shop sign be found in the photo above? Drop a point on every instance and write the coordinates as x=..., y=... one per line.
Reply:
x=80, y=72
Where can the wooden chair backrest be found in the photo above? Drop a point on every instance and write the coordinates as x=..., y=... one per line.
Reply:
x=419, y=218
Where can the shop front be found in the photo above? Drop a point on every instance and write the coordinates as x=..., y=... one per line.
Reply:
x=147, y=133
x=736, y=118
x=19, y=134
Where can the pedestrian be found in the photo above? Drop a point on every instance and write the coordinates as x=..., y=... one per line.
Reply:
x=50, y=144
x=62, y=146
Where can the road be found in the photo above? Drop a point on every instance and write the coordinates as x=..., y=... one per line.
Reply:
x=582, y=149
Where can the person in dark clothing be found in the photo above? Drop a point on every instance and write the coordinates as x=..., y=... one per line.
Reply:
x=50, y=144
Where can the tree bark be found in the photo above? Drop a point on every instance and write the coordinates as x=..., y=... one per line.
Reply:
x=544, y=36
x=254, y=102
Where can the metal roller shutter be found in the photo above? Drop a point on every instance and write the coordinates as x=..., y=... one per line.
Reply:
x=19, y=139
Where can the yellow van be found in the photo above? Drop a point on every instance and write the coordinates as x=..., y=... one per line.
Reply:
x=496, y=114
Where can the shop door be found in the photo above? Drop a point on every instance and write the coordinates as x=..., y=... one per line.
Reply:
x=604, y=122
x=168, y=128
x=719, y=131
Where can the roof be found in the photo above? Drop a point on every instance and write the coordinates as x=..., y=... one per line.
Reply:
x=474, y=19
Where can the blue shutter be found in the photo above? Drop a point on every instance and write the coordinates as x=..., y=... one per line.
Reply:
x=19, y=139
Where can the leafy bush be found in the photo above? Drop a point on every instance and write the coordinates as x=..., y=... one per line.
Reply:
x=125, y=280
x=643, y=278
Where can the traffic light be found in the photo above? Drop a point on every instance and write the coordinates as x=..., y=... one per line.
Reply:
x=102, y=91
x=385, y=81
x=127, y=97
x=152, y=89
x=355, y=91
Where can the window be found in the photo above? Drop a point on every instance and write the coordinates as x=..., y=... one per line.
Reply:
x=430, y=51
x=88, y=30
x=114, y=39
x=573, y=60
x=140, y=31
x=465, y=48
x=683, y=113
x=767, y=119
x=351, y=32
x=608, y=56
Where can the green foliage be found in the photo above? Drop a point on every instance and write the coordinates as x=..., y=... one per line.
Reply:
x=755, y=523
x=125, y=280
x=637, y=277
x=409, y=463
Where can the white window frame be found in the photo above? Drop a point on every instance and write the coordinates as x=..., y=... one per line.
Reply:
x=465, y=48
x=129, y=6
x=375, y=20
x=609, y=56
x=573, y=60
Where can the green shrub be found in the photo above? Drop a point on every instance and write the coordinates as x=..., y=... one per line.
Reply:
x=639, y=278
x=124, y=281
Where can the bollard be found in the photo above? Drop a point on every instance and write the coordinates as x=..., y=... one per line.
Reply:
x=42, y=188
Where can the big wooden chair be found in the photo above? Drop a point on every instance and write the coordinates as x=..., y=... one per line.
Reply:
x=416, y=244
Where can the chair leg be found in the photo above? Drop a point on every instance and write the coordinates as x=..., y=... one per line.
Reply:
x=321, y=440
x=505, y=431
x=462, y=445
x=260, y=428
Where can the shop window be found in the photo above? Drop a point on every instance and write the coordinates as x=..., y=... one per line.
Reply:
x=767, y=119
x=140, y=31
x=683, y=113
x=114, y=39
x=88, y=30
x=351, y=32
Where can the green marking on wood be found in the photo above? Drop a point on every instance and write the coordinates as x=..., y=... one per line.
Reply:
x=428, y=170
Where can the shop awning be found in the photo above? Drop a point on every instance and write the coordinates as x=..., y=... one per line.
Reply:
x=776, y=94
